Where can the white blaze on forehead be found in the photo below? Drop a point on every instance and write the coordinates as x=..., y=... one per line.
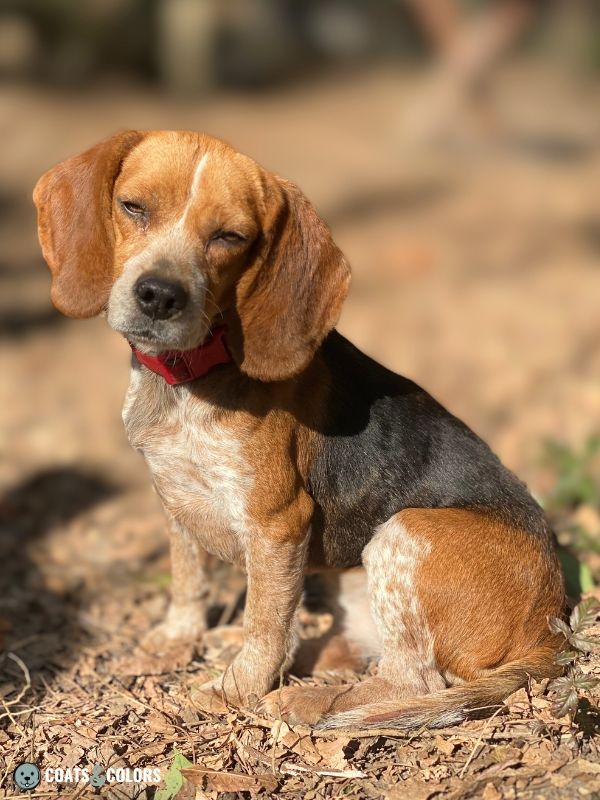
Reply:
x=194, y=188
x=172, y=242
x=197, y=175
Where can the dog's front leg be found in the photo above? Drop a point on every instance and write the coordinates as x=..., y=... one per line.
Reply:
x=185, y=621
x=275, y=579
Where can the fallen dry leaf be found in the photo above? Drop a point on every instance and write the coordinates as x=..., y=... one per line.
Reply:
x=230, y=781
x=143, y=663
x=332, y=752
x=444, y=745
x=490, y=792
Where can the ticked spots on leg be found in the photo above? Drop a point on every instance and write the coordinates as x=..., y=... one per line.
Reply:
x=392, y=559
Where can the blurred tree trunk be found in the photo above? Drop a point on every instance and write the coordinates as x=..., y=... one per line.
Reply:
x=187, y=31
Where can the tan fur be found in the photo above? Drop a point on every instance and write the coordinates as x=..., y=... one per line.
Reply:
x=477, y=606
x=75, y=224
x=90, y=243
x=378, y=703
x=225, y=477
x=186, y=617
x=487, y=590
x=452, y=593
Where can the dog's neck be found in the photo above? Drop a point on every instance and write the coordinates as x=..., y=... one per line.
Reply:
x=182, y=366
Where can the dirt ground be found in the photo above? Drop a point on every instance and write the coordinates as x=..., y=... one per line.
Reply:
x=476, y=273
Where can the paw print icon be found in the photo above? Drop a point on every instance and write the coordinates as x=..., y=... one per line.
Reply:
x=27, y=776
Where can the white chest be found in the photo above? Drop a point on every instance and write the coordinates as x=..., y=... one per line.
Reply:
x=198, y=467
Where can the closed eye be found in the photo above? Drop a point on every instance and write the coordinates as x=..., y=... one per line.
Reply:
x=227, y=238
x=133, y=209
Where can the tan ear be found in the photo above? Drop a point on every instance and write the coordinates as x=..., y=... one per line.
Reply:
x=74, y=204
x=291, y=296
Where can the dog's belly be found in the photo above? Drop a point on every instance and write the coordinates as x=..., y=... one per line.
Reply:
x=197, y=469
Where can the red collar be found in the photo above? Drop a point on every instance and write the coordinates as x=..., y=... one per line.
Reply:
x=181, y=366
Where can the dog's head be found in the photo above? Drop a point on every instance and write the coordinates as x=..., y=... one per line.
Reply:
x=172, y=232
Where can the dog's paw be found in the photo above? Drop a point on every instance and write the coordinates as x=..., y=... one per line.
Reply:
x=238, y=686
x=298, y=705
x=220, y=695
x=209, y=697
x=181, y=627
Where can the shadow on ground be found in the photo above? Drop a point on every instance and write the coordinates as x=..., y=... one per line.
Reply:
x=40, y=624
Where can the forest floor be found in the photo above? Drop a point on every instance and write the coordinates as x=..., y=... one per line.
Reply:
x=476, y=275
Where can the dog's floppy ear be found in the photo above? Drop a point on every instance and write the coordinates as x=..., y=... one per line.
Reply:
x=74, y=204
x=291, y=296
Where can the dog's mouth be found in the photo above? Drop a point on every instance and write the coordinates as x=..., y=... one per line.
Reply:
x=134, y=335
x=155, y=342
x=148, y=340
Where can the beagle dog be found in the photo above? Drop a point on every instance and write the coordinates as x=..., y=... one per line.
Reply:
x=276, y=444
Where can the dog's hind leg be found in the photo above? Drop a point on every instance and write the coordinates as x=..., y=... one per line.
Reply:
x=407, y=666
x=484, y=590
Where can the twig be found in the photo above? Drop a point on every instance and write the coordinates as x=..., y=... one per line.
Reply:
x=9, y=762
x=478, y=743
x=292, y=769
x=25, y=671
x=7, y=703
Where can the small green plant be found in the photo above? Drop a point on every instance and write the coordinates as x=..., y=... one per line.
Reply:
x=578, y=575
x=577, y=473
x=174, y=780
x=567, y=688
x=577, y=486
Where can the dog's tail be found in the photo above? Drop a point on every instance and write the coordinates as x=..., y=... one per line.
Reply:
x=450, y=706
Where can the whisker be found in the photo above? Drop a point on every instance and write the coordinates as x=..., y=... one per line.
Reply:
x=211, y=297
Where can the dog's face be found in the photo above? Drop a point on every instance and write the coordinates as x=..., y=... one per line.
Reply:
x=172, y=232
x=186, y=213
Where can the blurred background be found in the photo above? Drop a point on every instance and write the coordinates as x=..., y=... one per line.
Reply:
x=452, y=146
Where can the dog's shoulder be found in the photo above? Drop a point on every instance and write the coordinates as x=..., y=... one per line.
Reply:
x=386, y=445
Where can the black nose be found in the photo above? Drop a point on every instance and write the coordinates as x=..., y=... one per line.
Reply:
x=160, y=299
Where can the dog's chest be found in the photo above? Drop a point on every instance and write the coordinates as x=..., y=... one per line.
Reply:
x=197, y=465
